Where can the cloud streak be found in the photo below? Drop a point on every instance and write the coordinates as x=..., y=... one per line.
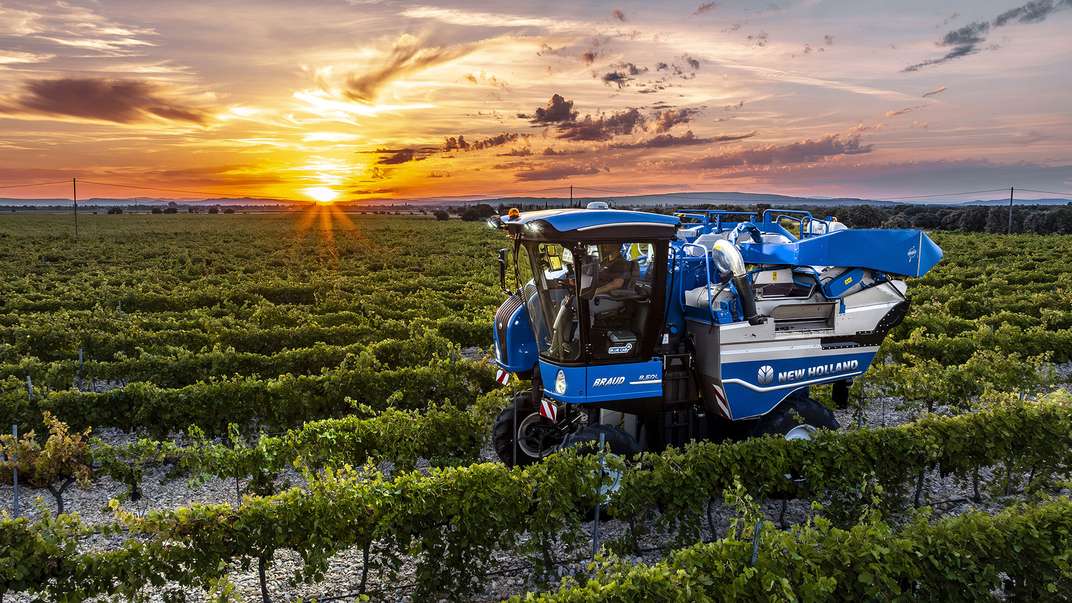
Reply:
x=407, y=56
x=118, y=101
x=967, y=40
x=806, y=151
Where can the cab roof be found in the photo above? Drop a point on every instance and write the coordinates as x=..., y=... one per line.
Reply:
x=590, y=223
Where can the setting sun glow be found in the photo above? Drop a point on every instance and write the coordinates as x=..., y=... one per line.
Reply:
x=321, y=194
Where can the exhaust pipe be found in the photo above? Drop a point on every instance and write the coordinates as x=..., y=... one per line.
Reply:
x=729, y=257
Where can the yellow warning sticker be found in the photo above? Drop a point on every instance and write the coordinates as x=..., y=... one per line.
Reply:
x=848, y=281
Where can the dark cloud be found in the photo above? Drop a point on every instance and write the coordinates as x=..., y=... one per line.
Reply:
x=558, y=110
x=760, y=39
x=1032, y=12
x=664, y=120
x=555, y=172
x=589, y=56
x=968, y=39
x=618, y=14
x=693, y=63
x=806, y=151
x=521, y=152
x=623, y=73
x=934, y=92
x=664, y=140
x=406, y=57
x=828, y=40
x=603, y=127
x=461, y=144
x=395, y=157
x=706, y=7
x=616, y=77
x=119, y=101
x=560, y=152
x=972, y=33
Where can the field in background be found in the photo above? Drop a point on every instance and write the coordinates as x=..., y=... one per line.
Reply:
x=323, y=341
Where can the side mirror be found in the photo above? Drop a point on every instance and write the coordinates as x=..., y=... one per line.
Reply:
x=502, y=271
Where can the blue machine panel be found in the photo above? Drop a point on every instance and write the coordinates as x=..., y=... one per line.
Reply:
x=604, y=383
x=896, y=251
x=520, y=345
x=754, y=388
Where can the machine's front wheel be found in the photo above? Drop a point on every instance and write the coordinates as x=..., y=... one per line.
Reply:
x=796, y=418
x=534, y=438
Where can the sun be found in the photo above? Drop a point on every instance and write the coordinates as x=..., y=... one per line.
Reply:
x=321, y=194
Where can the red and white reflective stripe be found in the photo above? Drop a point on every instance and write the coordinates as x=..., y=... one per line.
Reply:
x=720, y=398
x=502, y=377
x=549, y=411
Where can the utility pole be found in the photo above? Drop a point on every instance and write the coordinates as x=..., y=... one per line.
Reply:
x=571, y=196
x=74, y=196
x=1011, y=189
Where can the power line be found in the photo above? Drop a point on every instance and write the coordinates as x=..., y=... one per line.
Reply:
x=186, y=191
x=993, y=190
x=1031, y=190
x=35, y=184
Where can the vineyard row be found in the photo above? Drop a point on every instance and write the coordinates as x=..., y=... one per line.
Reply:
x=429, y=519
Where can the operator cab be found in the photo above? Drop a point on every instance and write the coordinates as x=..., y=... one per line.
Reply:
x=592, y=282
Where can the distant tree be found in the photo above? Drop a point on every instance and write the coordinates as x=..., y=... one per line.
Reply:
x=927, y=219
x=974, y=219
x=478, y=212
x=863, y=216
x=114, y=210
x=171, y=210
x=156, y=210
x=213, y=210
x=897, y=221
x=228, y=210
x=441, y=215
x=997, y=220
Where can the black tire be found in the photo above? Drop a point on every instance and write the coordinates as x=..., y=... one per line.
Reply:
x=840, y=393
x=795, y=411
x=617, y=441
x=504, y=438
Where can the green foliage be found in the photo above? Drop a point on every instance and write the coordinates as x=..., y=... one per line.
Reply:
x=62, y=460
x=451, y=522
x=1023, y=552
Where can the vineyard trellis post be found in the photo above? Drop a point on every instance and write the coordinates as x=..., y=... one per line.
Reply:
x=599, y=492
x=15, y=471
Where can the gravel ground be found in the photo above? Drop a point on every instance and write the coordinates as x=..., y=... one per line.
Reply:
x=513, y=575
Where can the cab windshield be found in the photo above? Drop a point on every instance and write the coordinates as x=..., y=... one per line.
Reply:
x=611, y=282
x=552, y=306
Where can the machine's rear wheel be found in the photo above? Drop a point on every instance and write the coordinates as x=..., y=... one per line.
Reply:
x=796, y=418
x=535, y=437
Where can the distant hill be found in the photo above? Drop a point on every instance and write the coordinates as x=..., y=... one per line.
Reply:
x=684, y=199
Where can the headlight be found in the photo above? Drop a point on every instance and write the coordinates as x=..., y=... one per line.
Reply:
x=560, y=383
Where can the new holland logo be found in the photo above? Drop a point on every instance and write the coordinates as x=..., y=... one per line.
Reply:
x=765, y=374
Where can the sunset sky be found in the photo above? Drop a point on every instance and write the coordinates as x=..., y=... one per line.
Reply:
x=369, y=99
